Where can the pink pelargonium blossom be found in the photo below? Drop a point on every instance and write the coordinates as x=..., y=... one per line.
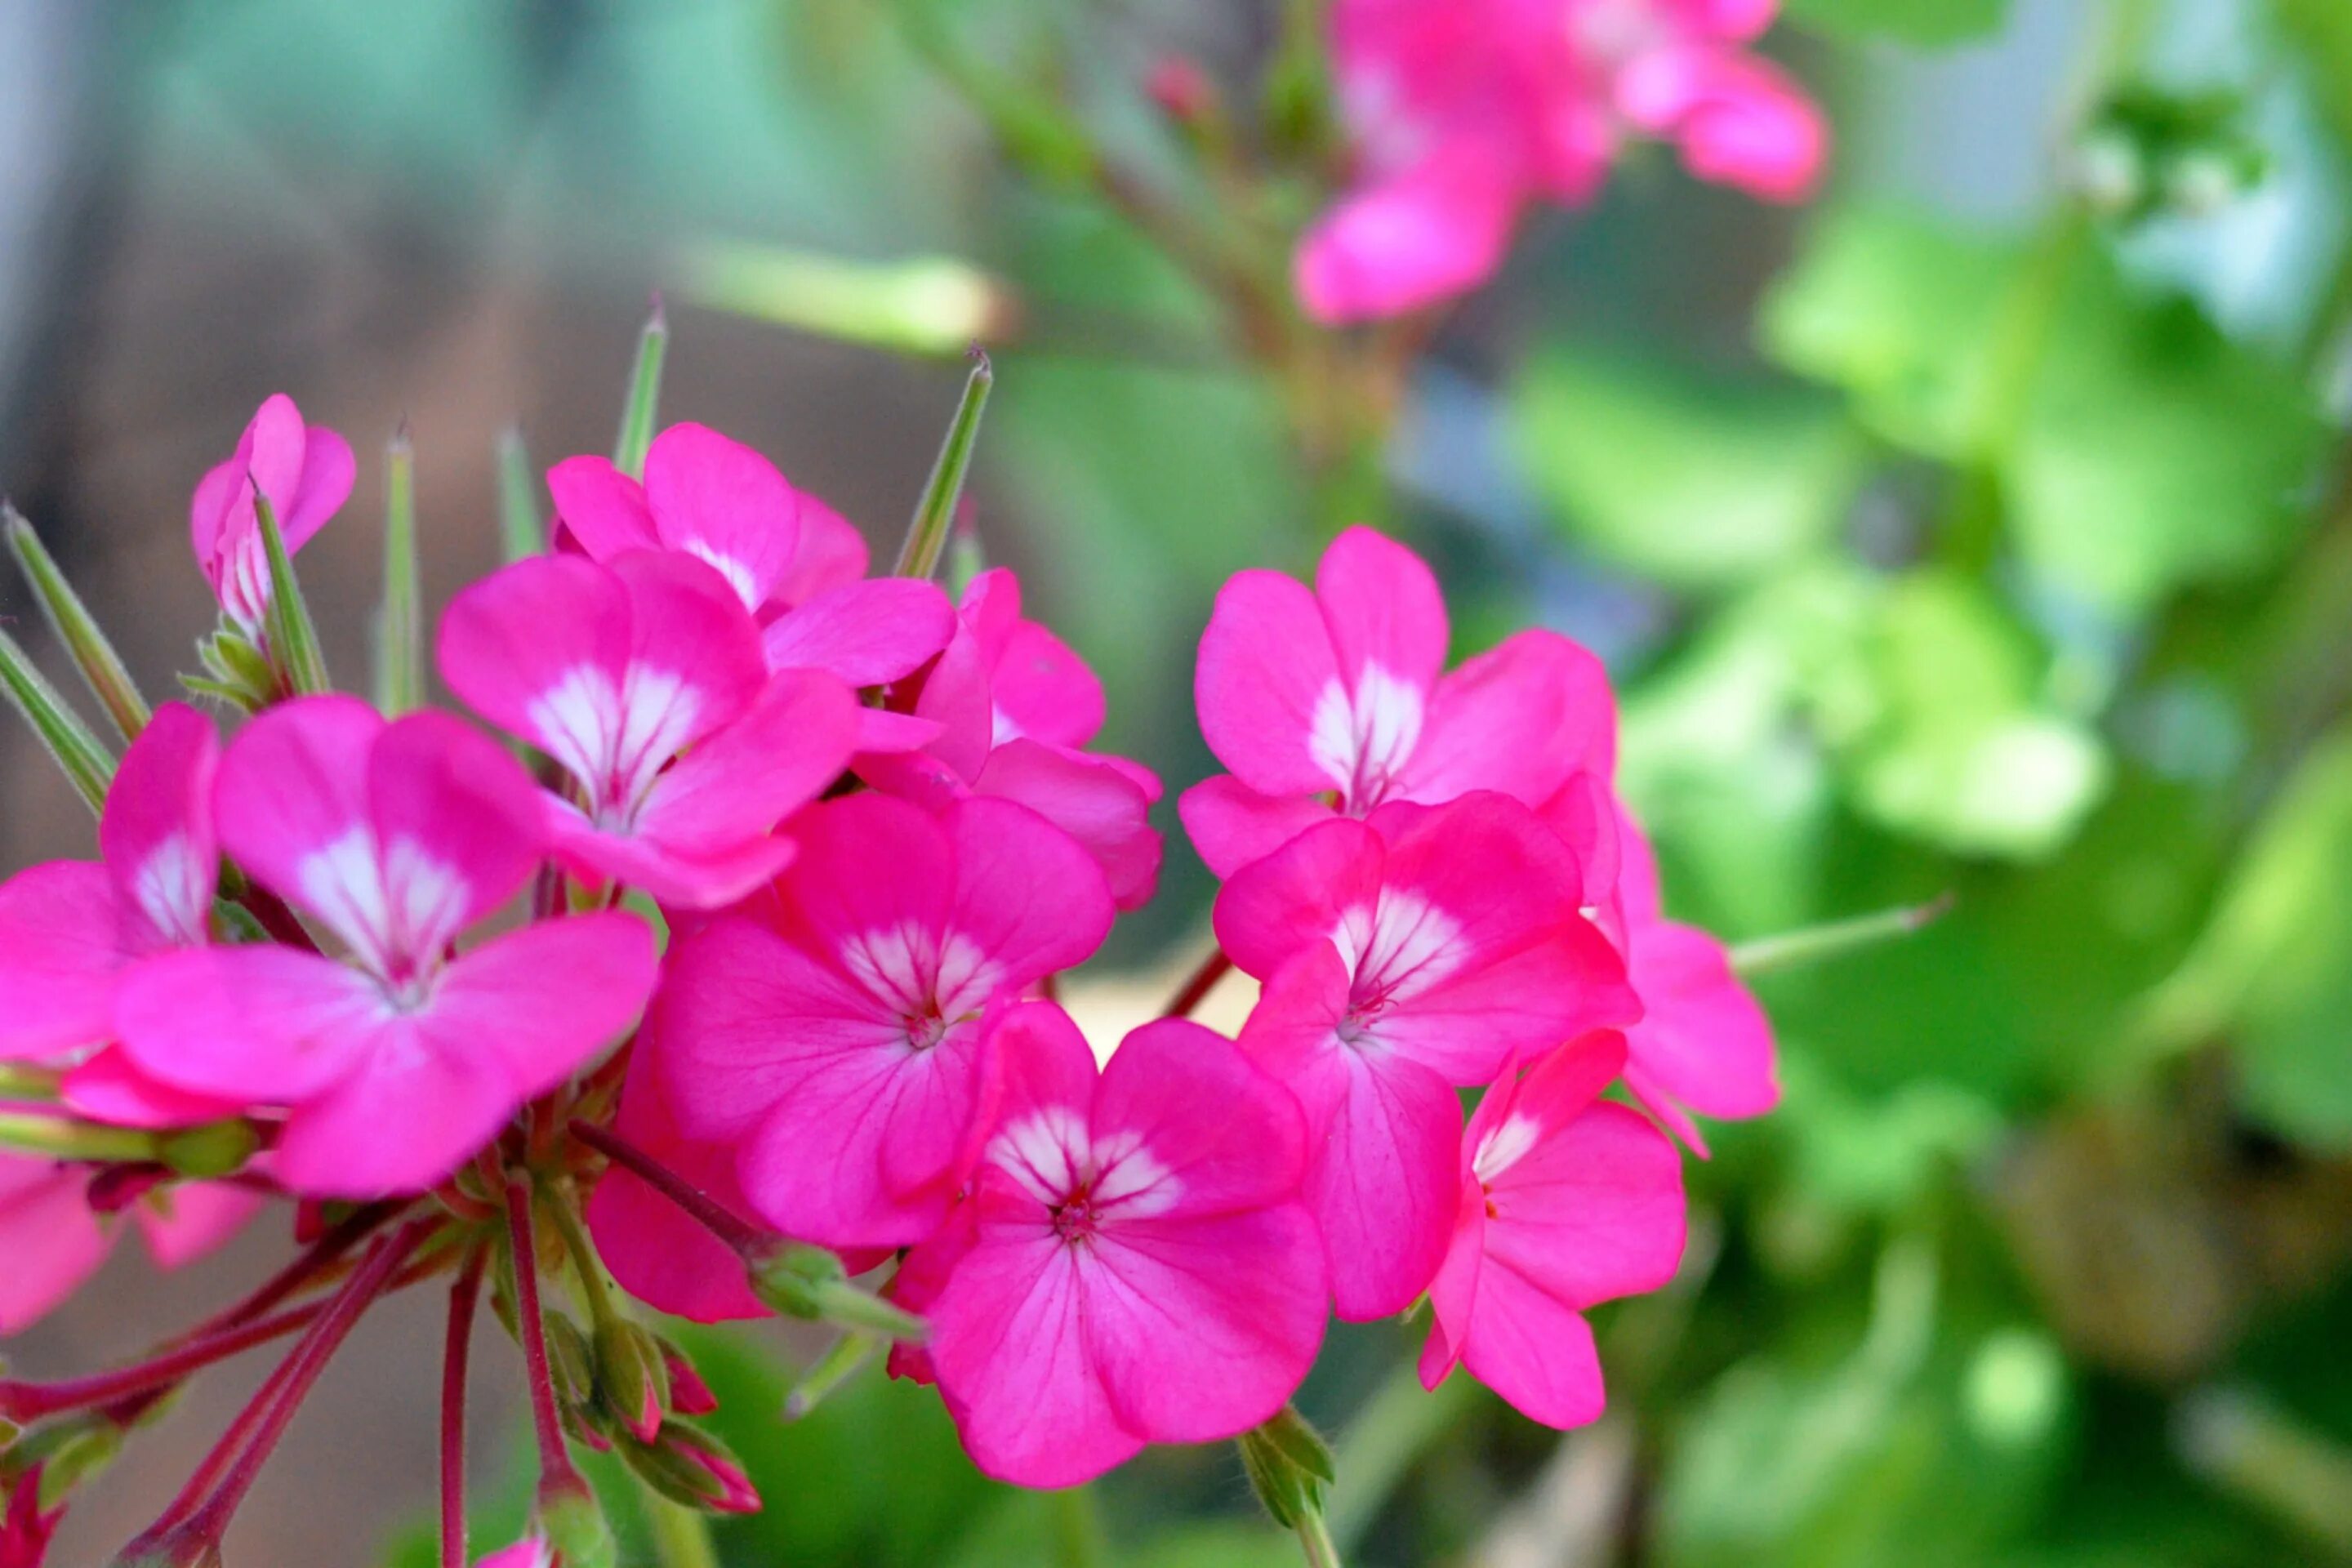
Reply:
x=644, y=679
x=1703, y=1045
x=54, y=1240
x=304, y=470
x=70, y=928
x=1465, y=111
x=1334, y=702
x=832, y=1032
x=1014, y=709
x=794, y=562
x=398, y=1062
x=1566, y=1202
x=531, y=1551
x=1137, y=1268
x=1404, y=957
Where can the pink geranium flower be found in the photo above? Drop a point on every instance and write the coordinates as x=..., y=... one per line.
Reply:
x=1333, y=702
x=69, y=929
x=1465, y=111
x=644, y=680
x=1566, y=1202
x=1704, y=1044
x=1013, y=709
x=1137, y=1268
x=54, y=1240
x=1404, y=957
x=306, y=472
x=403, y=1059
x=792, y=561
x=531, y=1551
x=832, y=1032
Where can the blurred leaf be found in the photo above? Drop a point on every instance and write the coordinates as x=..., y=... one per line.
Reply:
x=1931, y=22
x=1880, y=1155
x=2321, y=31
x=1685, y=483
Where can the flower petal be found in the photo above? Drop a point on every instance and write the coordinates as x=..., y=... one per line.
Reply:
x=866, y=633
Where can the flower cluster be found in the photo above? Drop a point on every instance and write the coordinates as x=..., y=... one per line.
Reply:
x=734, y=966
x=1465, y=111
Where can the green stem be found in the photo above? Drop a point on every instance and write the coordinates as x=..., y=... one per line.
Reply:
x=64, y=1139
x=681, y=1534
x=829, y=1372
x=88, y=765
x=1315, y=1542
x=1078, y=1537
x=102, y=669
x=521, y=532
x=1794, y=949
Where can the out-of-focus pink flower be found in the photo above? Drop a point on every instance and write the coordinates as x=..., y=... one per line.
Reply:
x=70, y=928
x=1137, y=1268
x=833, y=1032
x=1014, y=709
x=401, y=1061
x=1463, y=111
x=531, y=1551
x=1404, y=957
x=306, y=472
x=794, y=562
x=644, y=680
x=1703, y=1044
x=1566, y=1202
x=1334, y=702
x=54, y=1240
x=659, y=1255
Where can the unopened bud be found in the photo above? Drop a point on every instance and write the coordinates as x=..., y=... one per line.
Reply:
x=810, y=1283
x=690, y=1467
x=214, y=1149
x=632, y=1381
x=573, y=1526
x=235, y=670
x=1183, y=91
x=689, y=1394
x=1289, y=1467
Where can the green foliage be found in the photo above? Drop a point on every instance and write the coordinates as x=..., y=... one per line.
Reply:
x=1924, y=22
x=2320, y=35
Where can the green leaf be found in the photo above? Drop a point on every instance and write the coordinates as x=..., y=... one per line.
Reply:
x=1924, y=22
x=2321, y=33
x=1689, y=484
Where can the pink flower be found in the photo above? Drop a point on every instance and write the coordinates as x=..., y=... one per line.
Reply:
x=1014, y=708
x=401, y=1061
x=1405, y=957
x=531, y=1551
x=644, y=680
x=68, y=929
x=791, y=560
x=1466, y=111
x=54, y=1240
x=1566, y=1202
x=306, y=472
x=1334, y=702
x=1137, y=1268
x=1703, y=1044
x=832, y=1031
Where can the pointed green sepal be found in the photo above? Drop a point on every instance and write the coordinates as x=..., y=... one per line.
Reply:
x=87, y=763
x=575, y=1525
x=1795, y=949
x=1290, y=1466
x=292, y=637
x=644, y=404
x=101, y=668
x=400, y=634
x=926, y=535
x=236, y=671
x=521, y=532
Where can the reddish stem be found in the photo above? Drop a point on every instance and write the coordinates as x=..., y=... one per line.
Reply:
x=314, y=1259
x=705, y=1210
x=1196, y=990
x=276, y=917
x=554, y=1460
x=463, y=1294
x=25, y=1403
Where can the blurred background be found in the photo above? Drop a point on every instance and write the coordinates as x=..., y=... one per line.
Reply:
x=1984, y=526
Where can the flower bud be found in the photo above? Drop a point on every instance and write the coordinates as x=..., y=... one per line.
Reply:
x=1289, y=1465
x=214, y=1149
x=808, y=1283
x=689, y=1394
x=573, y=1525
x=632, y=1381
x=689, y=1466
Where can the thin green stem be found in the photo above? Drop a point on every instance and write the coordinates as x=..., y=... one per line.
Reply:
x=521, y=532
x=102, y=669
x=681, y=1534
x=641, y=408
x=1079, y=1539
x=1315, y=1542
x=88, y=765
x=1791, y=949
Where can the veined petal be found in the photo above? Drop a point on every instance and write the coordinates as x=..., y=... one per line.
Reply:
x=157, y=831
x=1265, y=668
x=721, y=501
x=261, y=1025
x=864, y=633
x=603, y=508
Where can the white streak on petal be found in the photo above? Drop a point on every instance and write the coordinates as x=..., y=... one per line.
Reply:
x=1040, y=1152
x=173, y=886
x=1505, y=1147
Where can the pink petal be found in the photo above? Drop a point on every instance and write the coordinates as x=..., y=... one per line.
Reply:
x=660, y=1256
x=1026, y=892
x=685, y=622
x=542, y=1001
x=1519, y=719
x=157, y=830
x=1593, y=1211
x=717, y=499
x=603, y=508
x=110, y=1087
x=953, y=692
x=1501, y=877
x=1009, y=1345
x=188, y=1220
x=885, y=733
x=1227, y=1136
x=1437, y=230
x=526, y=631
x=1089, y=798
x=791, y=744
x=264, y=1025
x=1454, y=1293
x=868, y=863
x=1702, y=1040
x=294, y=783
x=1265, y=671
x=677, y=878
x=1046, y=1065
x=1231, y=825
x=1201, y=1329
x=1753, y=129
x=411, y=1108
x=1534, y=1351
x=832, y=554
x=869, y=633
x=52, y=1240
x=1296, y=897
x=64, y=939
x=1040, y=687
x=446, y=793
x=1383, y=608
x=325, y=484
x=1463, y=1029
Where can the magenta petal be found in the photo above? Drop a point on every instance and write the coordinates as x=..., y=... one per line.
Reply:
x=1026, y=892
x=1266, y=669
x=678, y=879
x=157, y=830
x=715, y=499
x=49, y=1234
x=832, y=554
x=1296, y=897
x=324, y=485
x=685, y=623
x=294, y=781
x=542, y=1000
x=1091, y=799
x=1009, y=1345
x=188, y=1220
x=264, y=1026
x=1044, y=690
x=1535, y=1353
x=791, y=744
x=1231, y=825
x=866, y=633
x=410, y=1110
x=1437, y=230
x=1227, y=1136
x=1519, y=719
x=1383, y=608
x=541, y=626
x=660, y=1256
x=1383, y=1187
x=869, y=863
x=1593, y=1211
x=604, y=508
x=110, y=1087
x=1703, y=1038
x=456, y=826
x=64, y=939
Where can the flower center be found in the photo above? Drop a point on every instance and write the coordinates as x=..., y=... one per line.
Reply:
x=1074, y=1216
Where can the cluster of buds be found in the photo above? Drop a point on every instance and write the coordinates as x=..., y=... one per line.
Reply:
x=728, y=981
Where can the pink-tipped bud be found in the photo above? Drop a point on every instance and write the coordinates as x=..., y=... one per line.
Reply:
x=1181, y=88
x=693, y=1468
x=689, y=1394
x=632, y=1377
